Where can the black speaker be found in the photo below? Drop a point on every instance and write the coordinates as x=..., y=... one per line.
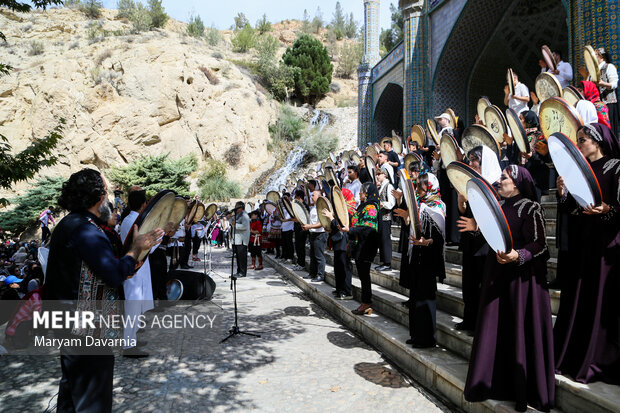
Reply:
x=189, y=285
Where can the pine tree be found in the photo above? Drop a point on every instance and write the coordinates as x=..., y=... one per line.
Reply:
x=315, y=70
x=338, y=22
x=158, y=15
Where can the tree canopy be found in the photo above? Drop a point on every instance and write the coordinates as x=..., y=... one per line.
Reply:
x=42, y=194
x=392, y=36
x=314, y=76
x=154, y=173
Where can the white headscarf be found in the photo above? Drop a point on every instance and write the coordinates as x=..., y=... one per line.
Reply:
x=587, y=111
x=489, y=165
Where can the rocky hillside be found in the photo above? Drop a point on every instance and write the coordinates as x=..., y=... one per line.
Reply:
x=126, y=95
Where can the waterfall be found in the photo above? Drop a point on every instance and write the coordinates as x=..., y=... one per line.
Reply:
x=293, y=160
x=319, y=119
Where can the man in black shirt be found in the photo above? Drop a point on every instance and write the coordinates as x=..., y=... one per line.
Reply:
x=78, y=242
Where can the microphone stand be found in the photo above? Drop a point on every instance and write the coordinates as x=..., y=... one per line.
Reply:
x=234, y=330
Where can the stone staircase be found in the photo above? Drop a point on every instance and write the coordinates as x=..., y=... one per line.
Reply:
x=443, y=370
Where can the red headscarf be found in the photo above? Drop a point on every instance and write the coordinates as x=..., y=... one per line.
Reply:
x=350, y=200
x=590, y=91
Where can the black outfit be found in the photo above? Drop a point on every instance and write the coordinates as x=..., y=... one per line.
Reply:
x=475, y=250
x=241, y=253
x=385, y=231
x=186, y=249
x=449, y=196
x=393, y=157
x=318, y=241
x=86, y=383
x=364, y=176
x=426, y=264
x=159, y=273
x=300, y=245
x=287, y=245
x=342, y=270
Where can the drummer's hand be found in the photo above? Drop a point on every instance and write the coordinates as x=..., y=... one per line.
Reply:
x=556, y=72
x=436, y=155
x=526, y=156
x=397, y=194
x=477, y=120
x=598, y=210
x=399, y=212
x=541, y=147
x=508, y=139
x=583, y=72
x=507, y=257
x=424, y=148
x=465, y=224
x=305, y=227
x=534, y=98
x=559, y=183
x=542, y=63
x=327, y=213
x=344, y=229
x=423, y=242
x=146, y=241
x=506, y=90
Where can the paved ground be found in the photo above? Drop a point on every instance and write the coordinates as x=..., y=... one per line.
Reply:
x=305, y=361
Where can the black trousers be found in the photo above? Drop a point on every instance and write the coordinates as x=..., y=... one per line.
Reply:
x=196, y=244
x=385, y=246
x=300, y=247
x=342, y=271
x=422, y=321
x=318, y=241
x=158, y=265
x=287, y=245
x=472, y=284
x=187, y=248
x=86, y=384
x=363, y=272
x=45, y=233
x=241, y=255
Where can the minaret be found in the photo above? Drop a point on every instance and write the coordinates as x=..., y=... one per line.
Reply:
x=364, y=71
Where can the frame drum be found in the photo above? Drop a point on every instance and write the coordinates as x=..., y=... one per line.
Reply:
x=481, y=106
x=572, y=95
x=412, y=203
x=418, y=135
x=450, y=150
x=321, y=204
x=272, y=196
x=489, y=215
x=573, y=167
x=179, y=210
x=547, y=86
x=459, y=174
x=371, y=166
x=478, y=135
x=495, y=121
x=210, y=211
x=549, y=58
x=589, y=57
x=557, y=115
x=301, y=212
x=341, y=212
x=518, y=132
x=432, y=128
x=510, y=81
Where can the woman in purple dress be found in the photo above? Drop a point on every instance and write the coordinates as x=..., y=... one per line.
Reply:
x=512, y=354
x=587, y=330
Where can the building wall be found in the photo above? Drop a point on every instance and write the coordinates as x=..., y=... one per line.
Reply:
x=395, y=75
x=441, y=23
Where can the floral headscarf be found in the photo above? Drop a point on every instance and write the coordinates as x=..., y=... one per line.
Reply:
x=432, y=205
x=590, y=91
x=367, y=214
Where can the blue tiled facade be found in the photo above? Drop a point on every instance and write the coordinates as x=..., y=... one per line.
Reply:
x=457, y=50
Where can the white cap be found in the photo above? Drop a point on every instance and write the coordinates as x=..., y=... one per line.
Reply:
x=444, y=116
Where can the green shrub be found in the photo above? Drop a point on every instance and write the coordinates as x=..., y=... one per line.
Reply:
x=154, y=173
x=233, y=155
x=306, y=27
x=263, y=25
x=349, y=59
x=157, y=13
x=195, y=27
x=244, y=39
x=213, y=36
x=241, y=21
x=140, y=18
x=214, y=185
x=36, y=48
x=43, y=193
x=288, y=126
x=315, y=70
x=125, y=8
x=95, y=33
x=91, y=8
x=317, y=21
x=279, y=80
x=317, y=144
x=267, y=47
x=338, y=22
x=351, y=28
x=72, y=4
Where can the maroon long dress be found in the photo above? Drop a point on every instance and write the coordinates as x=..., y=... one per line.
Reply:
x=512, y=354
x=587, y=329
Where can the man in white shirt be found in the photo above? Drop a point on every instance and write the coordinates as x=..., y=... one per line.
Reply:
x=318, y=241
x=563, y=72
x=354, y=185
x=288, y=229
x=387, y=202
x=138, y=289
x=517, y=102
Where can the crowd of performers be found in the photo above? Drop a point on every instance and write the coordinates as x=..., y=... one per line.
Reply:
x=516, y=349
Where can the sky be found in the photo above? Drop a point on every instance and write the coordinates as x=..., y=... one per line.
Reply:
x=221, y=13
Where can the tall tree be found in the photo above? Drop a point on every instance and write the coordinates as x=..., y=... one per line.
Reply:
x=314, y=76
x=338, y=22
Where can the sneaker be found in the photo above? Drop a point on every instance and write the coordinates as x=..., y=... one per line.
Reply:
x=343, y=296
x=317, y=279
x=308, y=277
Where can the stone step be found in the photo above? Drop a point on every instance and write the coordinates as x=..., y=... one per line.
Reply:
x=439, y=370
x=570, y=396
x=454, y=256
x=549, y=228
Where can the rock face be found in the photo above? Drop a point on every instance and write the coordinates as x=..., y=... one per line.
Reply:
x=128, y=95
